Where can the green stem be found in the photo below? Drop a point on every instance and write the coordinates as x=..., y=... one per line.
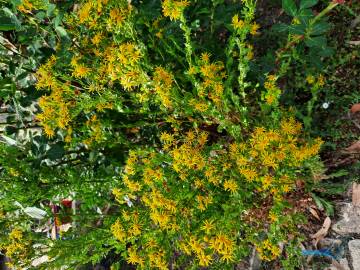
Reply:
x=324, y=12
x=187, y=35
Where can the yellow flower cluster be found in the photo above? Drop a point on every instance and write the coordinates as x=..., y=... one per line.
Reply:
x=163, y=84
x=268, y=150
x=95, y=129
x=91, y=14
x=188, y=155
x=55, y=108
x=174, y=9
x=118, y=16
x=211, y=84
x=316, y=82
x=268, y=251
x=95, y=70
x=213, y=75
x=272, y=91
x=122, y=63
x=237, y=23
x=26, y=6
x=16, y=247
x=177, y=197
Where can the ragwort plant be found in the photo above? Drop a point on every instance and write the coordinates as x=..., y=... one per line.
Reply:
x=216, y=176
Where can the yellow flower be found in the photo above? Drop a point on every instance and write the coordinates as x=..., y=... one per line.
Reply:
x=227, y=257
x=119, y=15
x=118, y=231
x=254, y=28
x=204, y=260
x=84, y=12
x=159, y=34
x=271, y=78
x=97, y=39
x=230, y=185
x=80, y=71
x=273, y=217
x=135, y=229
x=26, y=6
x=166, y=137
x=289, y=126
x=249, y=174
x=133, y=258
x=208, y=226
x=321, y=80
x=49, y=132
x=269, y=85
x=310, y=79
x=205, y=57
x=163, y=81
x=267, y=181
x=237, y=23
x=16, y=234
x=192, y=70
x=174, y=9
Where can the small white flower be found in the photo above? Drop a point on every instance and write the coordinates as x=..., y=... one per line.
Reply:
x=325, y=105
x=127, y=200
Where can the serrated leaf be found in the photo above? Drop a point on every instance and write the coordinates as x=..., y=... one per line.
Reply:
x=289, y=7
x=318, y=202
x=338, y=173
x=307, y=3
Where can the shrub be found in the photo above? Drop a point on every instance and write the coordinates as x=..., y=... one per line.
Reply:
x=177, y=109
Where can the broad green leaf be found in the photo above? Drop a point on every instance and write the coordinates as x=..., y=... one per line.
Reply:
x=305, y=16
x=307, y=3
x=280, y=27
x=320, y=28
x=319, y=41
x=289, y=7
x=50, y=9
x=297, y=29
x=6, y=23
x=56, y=152
x=62, y=32
x=326, y=51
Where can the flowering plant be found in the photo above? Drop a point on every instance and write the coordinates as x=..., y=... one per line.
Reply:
x=167, y=114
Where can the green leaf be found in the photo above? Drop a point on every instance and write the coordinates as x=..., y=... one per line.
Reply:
x=62, y=33
x=50, y=10
x=326, y=51
x=9, y=130
x=307, y=3
x=319, y=41
x=289, y=7
x=297, y=29
x=305, y=16
x=323, y=204
x=320, y=28
x=7, y=13
x=280, y=27
x=6, y=23
x=318, y=202
x=56, y=151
